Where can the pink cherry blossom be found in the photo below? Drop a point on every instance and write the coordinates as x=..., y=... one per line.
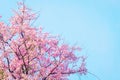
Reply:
x=28, y=53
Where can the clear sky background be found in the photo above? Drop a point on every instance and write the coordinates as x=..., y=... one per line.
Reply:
x=93, y=24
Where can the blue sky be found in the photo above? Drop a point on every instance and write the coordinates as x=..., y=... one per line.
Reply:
x=93, y=24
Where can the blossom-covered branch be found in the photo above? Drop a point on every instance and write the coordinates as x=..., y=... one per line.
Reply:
x=28, y=53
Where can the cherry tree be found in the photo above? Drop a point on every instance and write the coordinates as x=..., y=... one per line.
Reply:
x=28, y=53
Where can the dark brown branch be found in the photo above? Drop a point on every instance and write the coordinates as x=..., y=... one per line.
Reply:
x=9, y=66
x=52, y=71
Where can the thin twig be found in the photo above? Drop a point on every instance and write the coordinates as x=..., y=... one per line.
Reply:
x=36, y=18
x=94, y=75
